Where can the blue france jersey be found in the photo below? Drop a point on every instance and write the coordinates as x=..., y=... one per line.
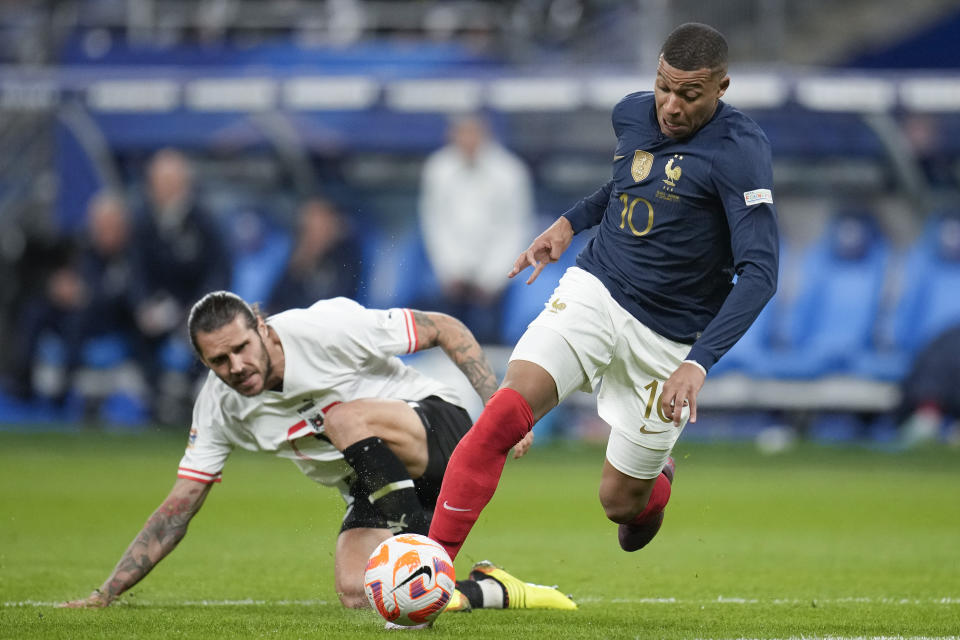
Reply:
x=678, y=220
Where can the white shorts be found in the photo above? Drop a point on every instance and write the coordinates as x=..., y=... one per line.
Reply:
x=583, y=338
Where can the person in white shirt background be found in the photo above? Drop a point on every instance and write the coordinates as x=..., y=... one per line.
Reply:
x=476, y=213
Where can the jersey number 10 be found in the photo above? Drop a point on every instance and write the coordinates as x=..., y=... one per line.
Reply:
x=626, y=216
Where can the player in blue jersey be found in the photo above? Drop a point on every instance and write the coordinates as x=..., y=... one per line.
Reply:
x=651, y=304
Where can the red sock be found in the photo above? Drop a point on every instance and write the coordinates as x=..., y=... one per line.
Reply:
x=474, y=469
x=657, y=501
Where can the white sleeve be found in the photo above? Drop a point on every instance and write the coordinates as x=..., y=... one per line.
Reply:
x=207, y=448
x=390, y=332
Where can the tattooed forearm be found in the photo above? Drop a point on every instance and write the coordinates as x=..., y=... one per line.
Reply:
x=434, y=329
x=469, y=357
x=159, y=536
x=426, y=329
x=480, y=376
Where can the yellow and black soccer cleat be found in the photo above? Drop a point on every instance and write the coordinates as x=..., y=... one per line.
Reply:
x=520, y=594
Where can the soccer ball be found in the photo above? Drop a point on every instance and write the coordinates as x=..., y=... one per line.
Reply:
x=409, y=579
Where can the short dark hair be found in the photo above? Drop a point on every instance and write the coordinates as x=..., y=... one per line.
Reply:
x=693, y=46
x=218, y=309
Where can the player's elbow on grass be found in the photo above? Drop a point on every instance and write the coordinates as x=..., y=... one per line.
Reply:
x=351, y=597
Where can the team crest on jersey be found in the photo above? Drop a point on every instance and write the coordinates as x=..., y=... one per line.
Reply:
x=192, y=438
x=312, y=414
x=640, y=168
x=673, y=171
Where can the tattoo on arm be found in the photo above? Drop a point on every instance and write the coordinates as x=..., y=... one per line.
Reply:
x=159, y=536
x=460, y=346
x=427, y=330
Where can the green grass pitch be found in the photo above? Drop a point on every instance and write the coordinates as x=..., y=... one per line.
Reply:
x=813, y=543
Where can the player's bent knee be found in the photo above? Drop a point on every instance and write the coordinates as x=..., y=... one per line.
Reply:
x=534, y=384
x=622, y=506
x=344, y=424
x=620, y=513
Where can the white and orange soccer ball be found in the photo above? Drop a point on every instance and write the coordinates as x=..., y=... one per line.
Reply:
x=409, y=579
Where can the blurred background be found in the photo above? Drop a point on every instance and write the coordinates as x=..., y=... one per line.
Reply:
x=153, y=150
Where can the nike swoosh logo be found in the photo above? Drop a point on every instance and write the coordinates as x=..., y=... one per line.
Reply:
x=618, y=157
x=424, y=570
x=644, y=430
x=449, y=508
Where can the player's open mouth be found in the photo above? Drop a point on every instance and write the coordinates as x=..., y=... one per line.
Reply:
x=672, y=129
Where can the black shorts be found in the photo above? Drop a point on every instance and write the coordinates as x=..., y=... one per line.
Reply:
x=445, y=424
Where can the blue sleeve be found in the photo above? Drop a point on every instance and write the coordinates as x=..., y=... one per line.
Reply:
x=589, y=211
x=754, y=243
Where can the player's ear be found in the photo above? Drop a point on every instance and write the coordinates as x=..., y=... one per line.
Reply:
x=262, y=327
x=724, y=83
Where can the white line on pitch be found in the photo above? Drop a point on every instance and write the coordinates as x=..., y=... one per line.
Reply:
x=780, y=601
x=249, y=602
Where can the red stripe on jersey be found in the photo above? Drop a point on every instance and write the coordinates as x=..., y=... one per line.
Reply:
x=330, y=406
x=416, y=337
x=199, y=476
x=293, y=445
x=411, y=330
x=202, y=473
x=292, y=431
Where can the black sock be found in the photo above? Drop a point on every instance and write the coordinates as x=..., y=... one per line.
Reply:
x=472, y=591
x=388, y=485
x=487, y=593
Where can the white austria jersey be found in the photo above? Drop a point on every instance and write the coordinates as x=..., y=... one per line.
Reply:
x=334, y=352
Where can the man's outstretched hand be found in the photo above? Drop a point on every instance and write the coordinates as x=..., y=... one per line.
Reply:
x=96, y=600
x=546, y=248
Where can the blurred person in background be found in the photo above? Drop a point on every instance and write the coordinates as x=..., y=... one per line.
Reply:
x=930, y=393
x=30, y=298
x=179, y=254
x=87, y=295
x=476, y=211
x=325, y=262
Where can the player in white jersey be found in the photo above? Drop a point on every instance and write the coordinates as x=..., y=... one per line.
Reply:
x=324, y=387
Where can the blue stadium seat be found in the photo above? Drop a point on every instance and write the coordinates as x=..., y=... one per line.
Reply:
x=260, y=253
x=123, y=409
x=175, y=354
x=755, y=348
x=928, y=303
x=833, y=318
x=98, y=356
x=931, y=301
x=106, y=351
x=836, y=428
